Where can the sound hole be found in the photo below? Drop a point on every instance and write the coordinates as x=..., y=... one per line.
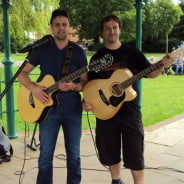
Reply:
x=116, y=90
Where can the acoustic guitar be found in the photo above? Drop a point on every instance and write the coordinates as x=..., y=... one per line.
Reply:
x=32, y=110
x=108, y=95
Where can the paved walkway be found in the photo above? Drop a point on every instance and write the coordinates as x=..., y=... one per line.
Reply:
x=16, y=63
x=164, y=157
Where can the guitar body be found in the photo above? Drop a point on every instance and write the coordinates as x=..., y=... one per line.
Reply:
x=102, y=93
x=32, y=110
x=106, y=96
x=37, y=111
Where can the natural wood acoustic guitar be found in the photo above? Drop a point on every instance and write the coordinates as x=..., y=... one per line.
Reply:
x=32, y=110
x=106, y=96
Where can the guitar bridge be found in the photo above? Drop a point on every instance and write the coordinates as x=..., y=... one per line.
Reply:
x=103, y=97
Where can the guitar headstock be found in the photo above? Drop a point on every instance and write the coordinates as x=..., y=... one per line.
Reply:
x=101, y=63
x=178, y=53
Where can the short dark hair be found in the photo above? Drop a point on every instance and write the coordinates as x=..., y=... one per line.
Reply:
x=108, y=18
x=59, y=12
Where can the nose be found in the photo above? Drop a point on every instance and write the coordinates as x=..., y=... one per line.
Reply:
x=111, y=30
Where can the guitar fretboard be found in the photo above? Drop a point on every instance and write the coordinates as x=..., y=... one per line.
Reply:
x=140, y=75
x=174, y=54
x=68, y=78
x=96, y=66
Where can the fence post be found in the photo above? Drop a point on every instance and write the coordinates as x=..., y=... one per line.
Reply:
x=8, y=69
x=139, y=4
x=1, y=109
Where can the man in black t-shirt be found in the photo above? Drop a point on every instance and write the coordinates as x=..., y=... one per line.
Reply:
x=125, y=129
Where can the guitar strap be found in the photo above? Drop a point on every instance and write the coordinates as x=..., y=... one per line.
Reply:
x=67, y=59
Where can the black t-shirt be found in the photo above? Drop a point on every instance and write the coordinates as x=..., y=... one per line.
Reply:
x=124, y=57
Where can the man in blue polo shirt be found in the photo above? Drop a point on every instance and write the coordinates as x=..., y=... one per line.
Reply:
x=51, y=59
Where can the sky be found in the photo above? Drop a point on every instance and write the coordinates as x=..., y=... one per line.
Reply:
x=176, y=1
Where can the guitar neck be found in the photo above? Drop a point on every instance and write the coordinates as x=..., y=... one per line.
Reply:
x=141, y=74
x=68, y=78
x=96, y=66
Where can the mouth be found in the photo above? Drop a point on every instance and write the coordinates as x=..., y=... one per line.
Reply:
x=112, y=36
x=61, y=32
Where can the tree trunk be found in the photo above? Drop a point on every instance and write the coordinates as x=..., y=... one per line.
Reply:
x=166, y=50
x=96, y=39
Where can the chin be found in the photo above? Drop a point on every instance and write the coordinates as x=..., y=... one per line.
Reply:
x=112, y=41
x=61, y=38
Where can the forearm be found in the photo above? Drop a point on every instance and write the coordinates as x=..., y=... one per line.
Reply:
x=25, y=80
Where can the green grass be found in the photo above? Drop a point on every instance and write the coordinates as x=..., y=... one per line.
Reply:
x=22, y=56
x=162, y=98
x=160, y=55
x=14, y=57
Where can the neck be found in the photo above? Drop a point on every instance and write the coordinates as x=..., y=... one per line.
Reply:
x=61, y=43
x=113, y=45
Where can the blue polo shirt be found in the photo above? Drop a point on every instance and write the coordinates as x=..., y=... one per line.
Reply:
x=50, y=59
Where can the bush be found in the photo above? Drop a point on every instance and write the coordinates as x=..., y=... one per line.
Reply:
x=94, y=46
x=159, y=45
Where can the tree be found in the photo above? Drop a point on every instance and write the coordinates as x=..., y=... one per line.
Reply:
x=178, y=30
x=86, y=14
x=161, y=16
x=29, y=17
x=129, y=25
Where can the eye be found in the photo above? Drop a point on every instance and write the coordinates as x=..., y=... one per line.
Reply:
x=107, y=28
x=115, y=27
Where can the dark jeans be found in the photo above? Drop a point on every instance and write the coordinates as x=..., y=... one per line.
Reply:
x=49, y=129
x=179, y=68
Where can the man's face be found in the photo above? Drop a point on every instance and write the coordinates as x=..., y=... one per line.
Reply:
x=60, y=27
x=111, y=31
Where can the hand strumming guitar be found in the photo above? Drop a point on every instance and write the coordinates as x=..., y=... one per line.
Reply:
x=39, y=93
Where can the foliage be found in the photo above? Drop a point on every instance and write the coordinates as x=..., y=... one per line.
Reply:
x=160, y=17
x=94, y=46
x=129, y=25
x=159, y=45
x=178, y=29
x=29, y=19
x=87, y=14
x=165, y=14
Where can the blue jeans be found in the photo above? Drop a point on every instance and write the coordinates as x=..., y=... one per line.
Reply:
x=179, y=68
x=49, y=129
